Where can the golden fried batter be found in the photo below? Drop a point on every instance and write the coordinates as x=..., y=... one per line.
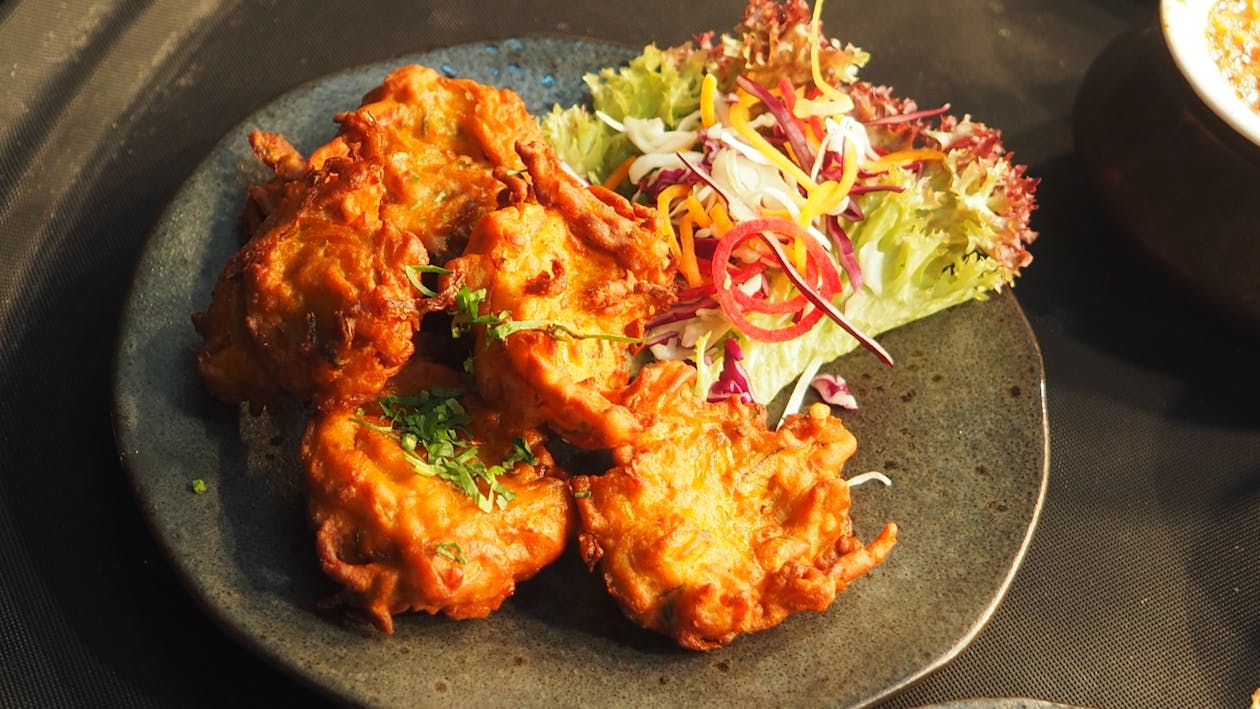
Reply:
x=710, y=525
x=318, y=304
x=707, y=526
x=584, y=259
x=438, y=141
x=397, y=540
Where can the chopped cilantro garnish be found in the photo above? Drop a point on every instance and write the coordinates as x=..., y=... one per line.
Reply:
x=450, y=550
x=557, y=331
x=413, y=275
x=430, y=428
x=199, y=486
x=521, y=452
x=468, y=311
x=498, y=327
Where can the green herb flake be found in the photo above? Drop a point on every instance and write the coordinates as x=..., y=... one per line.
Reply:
x=468, y=314
x=450, y=550
x=430, y=430
x=199, y=486
x=414, y=275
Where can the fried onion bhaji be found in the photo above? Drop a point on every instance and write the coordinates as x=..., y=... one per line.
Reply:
x=397, y=540
x=709, y=525
x=318, y=303
x=579, y=263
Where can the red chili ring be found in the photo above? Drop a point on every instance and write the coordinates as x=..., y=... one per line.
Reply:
x=816, y=272
x=730, y=302
x=779, y=307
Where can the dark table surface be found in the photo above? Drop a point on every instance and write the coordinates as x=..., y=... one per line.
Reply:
x=1139, y=588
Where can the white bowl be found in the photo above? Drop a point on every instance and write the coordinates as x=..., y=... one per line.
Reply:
x=1184, y=24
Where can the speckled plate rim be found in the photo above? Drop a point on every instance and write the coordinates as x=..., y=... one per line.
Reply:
x=168, y=433
x=1001, y=703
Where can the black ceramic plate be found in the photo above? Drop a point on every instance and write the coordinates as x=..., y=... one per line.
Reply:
x=959, y=424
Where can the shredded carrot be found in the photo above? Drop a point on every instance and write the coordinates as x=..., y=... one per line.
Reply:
x=619, y=175
x=848, y=174
x=663, y=208
x=815, y=37
x=799, y=254
x=665, y=199
x=901, y=157
x=696, y=210
x=787, y=148
x=808, y=108
x=708, y=92
x=739, y=121
x=814, y=139
x=721, y=220
x=687, y=261
x=829, y=195
x=815, y=203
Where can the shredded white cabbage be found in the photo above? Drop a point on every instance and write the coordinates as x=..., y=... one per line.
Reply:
x=649, y=135
x=612, y=122
x=651, y=162
x=707, y=325
x=797, y=396
x=869, y=476
x=752, y=184
x=847, y=128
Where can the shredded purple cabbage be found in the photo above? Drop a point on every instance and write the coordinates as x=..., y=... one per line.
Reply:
x=907, y=117
x=790, y=127
x=844, y=253
x=679, y=314
x=659, y=180
x=863, y=189
x=733, y=381
x=663, y=338
x=834, y=390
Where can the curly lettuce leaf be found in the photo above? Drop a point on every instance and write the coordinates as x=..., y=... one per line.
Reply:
x=584, y=142
x=773, y=41
x=658, y=83
x=943, y=240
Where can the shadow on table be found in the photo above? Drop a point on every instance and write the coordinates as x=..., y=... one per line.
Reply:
x=90, y=561
x=1089, y=282
x=1091, y=287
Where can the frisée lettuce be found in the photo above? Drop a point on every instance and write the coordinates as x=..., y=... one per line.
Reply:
x=656, y=84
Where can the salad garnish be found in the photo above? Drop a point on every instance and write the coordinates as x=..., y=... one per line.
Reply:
x=808, y=211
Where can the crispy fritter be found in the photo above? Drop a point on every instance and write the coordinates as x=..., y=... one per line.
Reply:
x=439, y=142
x=710, y=525
x=397, y=540
x=707, y=526
x=584, y=259
x=318, y=304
